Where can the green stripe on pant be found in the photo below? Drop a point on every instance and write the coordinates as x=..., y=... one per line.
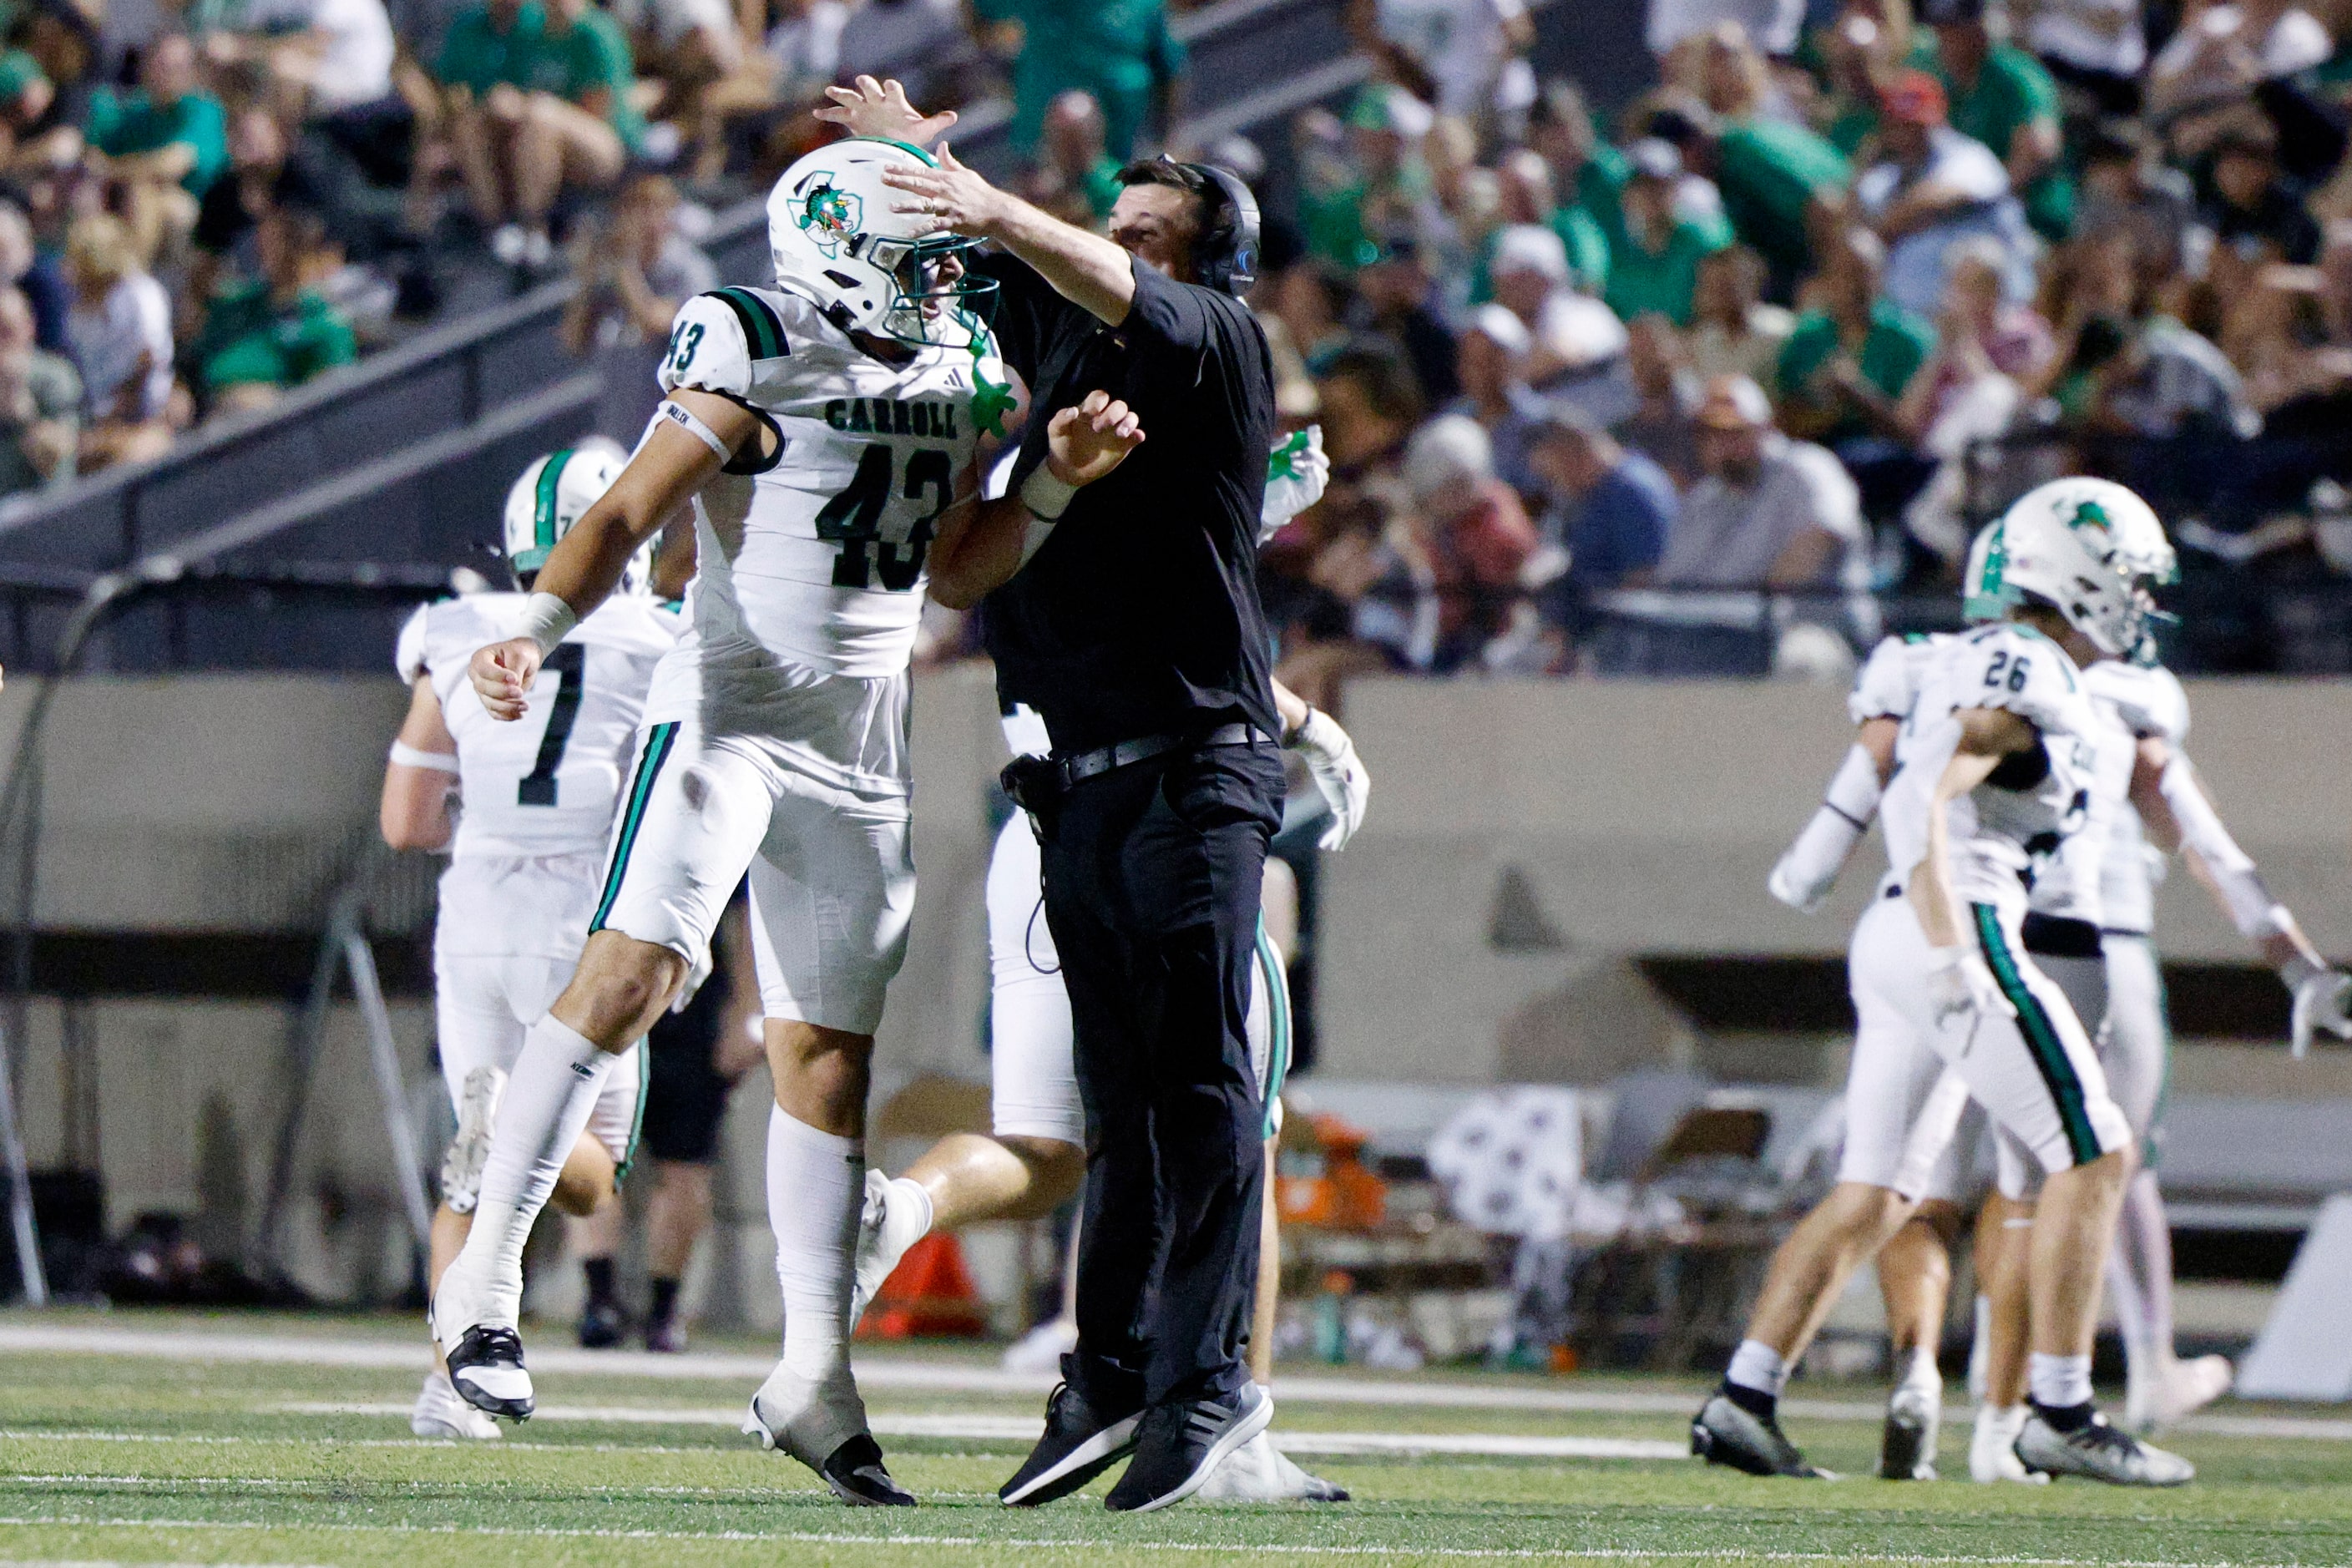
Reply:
x=659, y=742
x=1277, y=1022
x=2049, y=1052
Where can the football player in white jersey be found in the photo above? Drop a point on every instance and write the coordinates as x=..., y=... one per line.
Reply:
x=524, y=812
x=826, y=432
x=2101, y=886
x=1990, y=777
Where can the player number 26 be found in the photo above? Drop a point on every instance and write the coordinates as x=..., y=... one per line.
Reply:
x=2001, y=661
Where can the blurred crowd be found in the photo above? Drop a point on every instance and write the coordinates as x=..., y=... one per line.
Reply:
x=207, y=204
x=1700, y=386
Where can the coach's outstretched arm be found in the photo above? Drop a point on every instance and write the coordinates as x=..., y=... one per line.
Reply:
x=1084, y=267
x=674, y=461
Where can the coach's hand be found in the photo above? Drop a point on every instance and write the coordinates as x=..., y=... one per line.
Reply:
x=503, y=674
x=1083, y=443
x=951, y=198
x=871, y=108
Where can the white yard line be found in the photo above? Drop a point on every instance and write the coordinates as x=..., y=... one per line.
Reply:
x=1096, y=1544
x=1024, y=1429
x=905, y=1375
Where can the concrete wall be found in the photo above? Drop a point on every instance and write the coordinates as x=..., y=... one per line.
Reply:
x=1524, y=839
x=1523, y=836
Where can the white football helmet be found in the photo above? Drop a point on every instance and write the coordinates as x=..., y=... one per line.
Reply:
x=2088, y=548
x=553, y=494
x=837, y=244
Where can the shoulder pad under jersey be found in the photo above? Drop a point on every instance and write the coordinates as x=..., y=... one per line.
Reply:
x=2148, y=697
x=717, y=338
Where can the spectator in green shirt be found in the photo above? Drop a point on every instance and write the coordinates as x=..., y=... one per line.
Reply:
x=163, y=143
x=1844, y=369
x=488, y=45
x=1592, y=172
x=276, y=332
x=1777, y=180
x=2006, y=98
x=1656, y=269
x=557, y=111
x=1119, y=50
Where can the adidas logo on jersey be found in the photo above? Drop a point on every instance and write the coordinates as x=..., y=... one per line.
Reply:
x=889, y=416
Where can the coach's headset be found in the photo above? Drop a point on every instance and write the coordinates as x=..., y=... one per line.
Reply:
x=1226, y=257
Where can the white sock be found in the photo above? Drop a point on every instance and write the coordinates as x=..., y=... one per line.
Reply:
x=550, y=1095
x=816, y=1187
x=917, y=1198
x=1920, y=1371
x=1757, y=1365
x=2000, y=1423
x=2058, y=1381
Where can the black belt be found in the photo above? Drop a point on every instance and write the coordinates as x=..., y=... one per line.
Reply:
x=1094, y=764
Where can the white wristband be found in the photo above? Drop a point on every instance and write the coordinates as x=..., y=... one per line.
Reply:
x=409, y=756
x=1045, y=497
x=547, y=620
x=691, y=422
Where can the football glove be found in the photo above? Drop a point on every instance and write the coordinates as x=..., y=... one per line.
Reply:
x=1338, y=775
x=2323, y=1000
x=1297, y=471
x=1960, y=988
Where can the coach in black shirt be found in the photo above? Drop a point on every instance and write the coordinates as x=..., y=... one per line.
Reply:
x=1133, y=627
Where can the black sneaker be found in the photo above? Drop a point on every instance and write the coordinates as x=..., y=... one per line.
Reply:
x=1080, y=1443
x=604, y=1326
x=1724, y=1434
x=1182, y=1442
x=487, y=1373
x=856, y=1473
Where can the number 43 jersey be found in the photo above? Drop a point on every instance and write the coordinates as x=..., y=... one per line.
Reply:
x=545, y=784
x=2006, y=829
x=819, y=557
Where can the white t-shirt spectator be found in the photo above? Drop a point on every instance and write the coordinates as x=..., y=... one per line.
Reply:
x=357, y=65
x=1916, y=264
x=1728, y=538
x=2296, y=42
x=2095, y=34
x=1773, y=23
x=108, y=335
x=1460, y=43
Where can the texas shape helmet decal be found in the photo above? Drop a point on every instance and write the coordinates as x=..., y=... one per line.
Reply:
x=831, y=218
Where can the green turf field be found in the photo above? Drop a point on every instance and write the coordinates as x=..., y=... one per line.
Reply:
x=287, y=1446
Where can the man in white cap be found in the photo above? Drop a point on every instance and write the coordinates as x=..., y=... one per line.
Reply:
x=1491, y=364
x=1579, y=344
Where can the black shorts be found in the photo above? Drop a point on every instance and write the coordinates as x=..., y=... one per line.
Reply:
x=685, y=1096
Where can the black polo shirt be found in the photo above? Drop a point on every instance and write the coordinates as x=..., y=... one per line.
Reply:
x=1139, y=616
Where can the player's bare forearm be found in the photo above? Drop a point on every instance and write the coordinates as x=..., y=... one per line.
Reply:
x=1877, y=736
x=1291, y=708
x=980, y=553
x=1987, y=735
x=414, y=812
x=586, y=563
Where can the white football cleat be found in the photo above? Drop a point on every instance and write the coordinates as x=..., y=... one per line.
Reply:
x=1040, y=1349
x=896, y=1214
x=2179, y=1390
x=439, y=1413
x=1257, y=1471
x=469, y=1150
x=1993, y=1447
x=2099, y=1452
x=823, y=1425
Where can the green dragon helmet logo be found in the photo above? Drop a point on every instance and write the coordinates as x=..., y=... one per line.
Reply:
x=831, y=218
x=2091, y=514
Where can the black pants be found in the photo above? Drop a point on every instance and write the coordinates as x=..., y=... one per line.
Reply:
x=1152, y=875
